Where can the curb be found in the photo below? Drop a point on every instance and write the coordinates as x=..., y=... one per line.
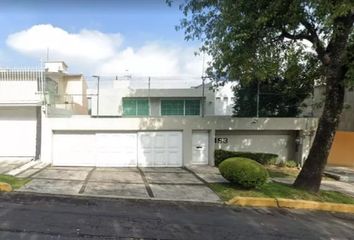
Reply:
x=291, y=203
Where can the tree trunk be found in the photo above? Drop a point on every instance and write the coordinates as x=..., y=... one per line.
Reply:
x=311, y=174
x=335, y=63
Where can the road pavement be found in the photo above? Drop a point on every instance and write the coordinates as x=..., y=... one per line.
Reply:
x=37, y=217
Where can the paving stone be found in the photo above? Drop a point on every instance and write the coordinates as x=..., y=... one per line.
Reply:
x=52, y=186
x=6, y=168
x=62, y=174
x=212, y=178
x=116, y=177
x=70, y=168
x=27, y=173
x=174, y=178
x=204, y=169
x=184, y=192
x=116, y=189
x=117, y=169
x=163, y=170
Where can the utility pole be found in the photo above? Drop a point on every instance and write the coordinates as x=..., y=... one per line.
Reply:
x=203, y=86
x=149, y=82
x=203, y=95
x=98, y=93
x=258, y=99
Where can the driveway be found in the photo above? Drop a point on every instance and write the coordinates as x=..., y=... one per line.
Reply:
x=148, y=183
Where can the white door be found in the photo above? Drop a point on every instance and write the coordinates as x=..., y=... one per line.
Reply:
x=160, y=149
x=18, y=132
x=71, y=149
x=116, y=150
x=200, y=143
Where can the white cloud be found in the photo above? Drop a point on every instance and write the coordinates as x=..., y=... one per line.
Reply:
x=91, y=51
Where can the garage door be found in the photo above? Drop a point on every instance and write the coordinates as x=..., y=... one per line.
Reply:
x=74, y=149
x=18, y=132
x=116, y=149
x=160, y=149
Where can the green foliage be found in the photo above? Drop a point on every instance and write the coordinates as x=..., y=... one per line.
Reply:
x=14, y=181
x=277, y=97
x=289, y=164
x=262, y=158
x=261, y=39
x=244, y=172
x=278, y=190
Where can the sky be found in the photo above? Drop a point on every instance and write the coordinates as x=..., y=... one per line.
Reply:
x=99, y=37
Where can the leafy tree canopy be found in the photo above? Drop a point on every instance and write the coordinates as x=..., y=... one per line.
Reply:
x=252, y=39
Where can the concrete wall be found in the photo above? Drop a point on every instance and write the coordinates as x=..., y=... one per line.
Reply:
x=185, y=124
x=342, y=151
x=315, y=108
x=279, y=142
x=19, y=92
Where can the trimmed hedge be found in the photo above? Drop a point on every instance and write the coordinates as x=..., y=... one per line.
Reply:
x=262, y=158
x=244, y=172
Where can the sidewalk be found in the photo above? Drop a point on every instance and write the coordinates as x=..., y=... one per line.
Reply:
x=343, y=174
x=347, y=188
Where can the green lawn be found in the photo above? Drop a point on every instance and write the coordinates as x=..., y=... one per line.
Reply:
x=278, y=190
x=14, y=181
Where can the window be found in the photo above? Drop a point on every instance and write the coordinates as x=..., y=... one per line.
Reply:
x=180, y=107
x=135, y=107
x=192, y=107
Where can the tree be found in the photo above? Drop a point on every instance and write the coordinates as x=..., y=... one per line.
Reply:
x=276, y=98
x=251, y=39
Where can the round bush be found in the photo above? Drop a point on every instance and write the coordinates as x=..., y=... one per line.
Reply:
x=244, y=172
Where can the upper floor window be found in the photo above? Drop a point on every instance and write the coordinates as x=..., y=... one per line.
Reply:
x=180, y=107
x=135, y=107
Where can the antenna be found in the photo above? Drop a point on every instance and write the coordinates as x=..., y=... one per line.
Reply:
x=47, y=54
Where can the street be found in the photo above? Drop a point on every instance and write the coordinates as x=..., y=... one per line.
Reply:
x=24, y=216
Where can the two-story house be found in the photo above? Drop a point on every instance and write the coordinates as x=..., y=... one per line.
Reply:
x=26, y=94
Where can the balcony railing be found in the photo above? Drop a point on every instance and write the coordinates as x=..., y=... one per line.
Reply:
x=21, y=85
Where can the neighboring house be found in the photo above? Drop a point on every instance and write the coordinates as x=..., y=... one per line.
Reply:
x=123, y=101
x=27, y=93
x=342, y=151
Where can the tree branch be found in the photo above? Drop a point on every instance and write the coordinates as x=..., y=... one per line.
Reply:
x=315, y=40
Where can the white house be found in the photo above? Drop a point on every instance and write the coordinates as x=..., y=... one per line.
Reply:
x=125, y=101
x=27, y=93
x=44, y=114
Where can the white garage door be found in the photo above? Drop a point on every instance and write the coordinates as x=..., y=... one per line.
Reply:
x=160, y=149
x=74, y=149
x=116, y=149
x=18, y=132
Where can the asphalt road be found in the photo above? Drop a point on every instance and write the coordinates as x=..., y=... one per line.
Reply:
x=39, y=217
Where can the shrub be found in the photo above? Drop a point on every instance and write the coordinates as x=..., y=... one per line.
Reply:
x=262, y=158
x=289, y=164
x=244, y=172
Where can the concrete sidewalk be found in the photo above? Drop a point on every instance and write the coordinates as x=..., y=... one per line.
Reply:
x=346, y=188
x=343, y=174
x=149, y=183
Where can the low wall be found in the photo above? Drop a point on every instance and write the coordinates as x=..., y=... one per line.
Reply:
x=342, y=151
x=185, y=124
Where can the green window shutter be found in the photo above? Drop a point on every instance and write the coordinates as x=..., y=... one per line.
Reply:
x=142, y=107
x=172, y=107
x=192, y=107
x=129, y=107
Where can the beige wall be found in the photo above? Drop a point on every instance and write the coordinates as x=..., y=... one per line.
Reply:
x=342, y=151
x=185, y=124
